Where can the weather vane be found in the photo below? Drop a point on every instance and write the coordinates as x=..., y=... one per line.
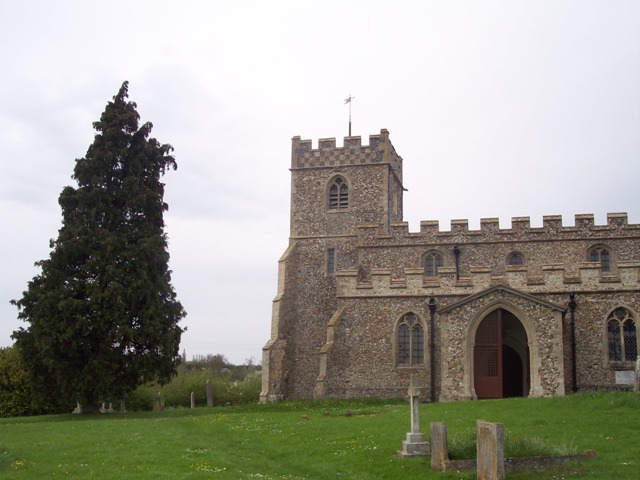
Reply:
x=348, y=100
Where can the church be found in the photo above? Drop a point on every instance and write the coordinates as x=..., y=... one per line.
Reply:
x=363, y=303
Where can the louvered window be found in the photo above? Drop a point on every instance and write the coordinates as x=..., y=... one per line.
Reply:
x=338, y=194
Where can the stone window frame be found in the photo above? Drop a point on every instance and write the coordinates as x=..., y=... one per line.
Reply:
x=340, y=204
x=594, y=255
x=432, y=254
x=631, y=315
x=331, y=261
x=516, y=255
x=418, y=322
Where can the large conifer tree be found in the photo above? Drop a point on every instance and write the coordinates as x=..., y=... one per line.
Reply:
x=103, y=316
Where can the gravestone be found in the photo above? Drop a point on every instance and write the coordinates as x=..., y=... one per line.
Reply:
x=636, y=385
x=157, y=404
x=123, y=406
x=415, y=443
x=209, y=394
x=193, y=400
x=490, y=450
x=439, y=447
x=626, y=377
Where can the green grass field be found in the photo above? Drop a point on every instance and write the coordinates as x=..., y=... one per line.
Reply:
x=314, y=440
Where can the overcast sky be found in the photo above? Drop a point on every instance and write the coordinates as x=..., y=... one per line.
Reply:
x=498, y=108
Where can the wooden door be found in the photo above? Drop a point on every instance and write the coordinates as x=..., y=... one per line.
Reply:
x=487, y=357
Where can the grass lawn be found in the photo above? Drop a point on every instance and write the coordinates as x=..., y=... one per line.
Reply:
x=313, y=440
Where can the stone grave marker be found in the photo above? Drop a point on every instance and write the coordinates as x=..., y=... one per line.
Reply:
x=415, y=443
x=209, y=394
x=626, y=377
x=439, y=447
x=157, y=404
x=490, y=450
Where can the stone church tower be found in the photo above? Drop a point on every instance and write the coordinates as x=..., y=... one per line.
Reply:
x=362, y=303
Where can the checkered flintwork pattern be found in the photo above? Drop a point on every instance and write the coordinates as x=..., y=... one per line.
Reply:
x=353, y=152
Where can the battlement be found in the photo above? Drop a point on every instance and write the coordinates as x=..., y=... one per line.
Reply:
x=550, y=224
x=379, y=151
x=554, y=278
x=552, y=227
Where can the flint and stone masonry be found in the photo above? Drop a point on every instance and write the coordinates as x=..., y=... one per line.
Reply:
x=351, y=315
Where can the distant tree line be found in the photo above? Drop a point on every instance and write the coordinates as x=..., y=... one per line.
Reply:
x=232, y=384
x=218, y=365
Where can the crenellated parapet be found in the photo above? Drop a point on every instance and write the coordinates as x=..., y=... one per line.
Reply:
x=555, y=278
x=552, y=228
x=327, y=154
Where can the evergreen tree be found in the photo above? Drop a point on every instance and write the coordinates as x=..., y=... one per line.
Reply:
x=102, y=314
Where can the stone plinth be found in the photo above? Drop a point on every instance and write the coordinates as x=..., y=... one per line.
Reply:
x=415, y=444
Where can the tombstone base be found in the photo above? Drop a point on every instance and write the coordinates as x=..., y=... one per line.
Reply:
x=414, y=445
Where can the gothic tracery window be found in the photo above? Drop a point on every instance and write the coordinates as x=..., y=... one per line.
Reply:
x=338, y=194
x=622, y=336
x=410, y=341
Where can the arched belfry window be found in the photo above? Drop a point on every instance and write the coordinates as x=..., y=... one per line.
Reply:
x=432, y=262
x=338, y=193
x=622, y=336
x=410, y=340
x=601, y=255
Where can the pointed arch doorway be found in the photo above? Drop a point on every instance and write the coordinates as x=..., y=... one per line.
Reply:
x=501, y=356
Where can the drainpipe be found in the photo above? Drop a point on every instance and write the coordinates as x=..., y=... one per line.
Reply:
x=456, y=252
x=572, y=320
x=432, y=347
